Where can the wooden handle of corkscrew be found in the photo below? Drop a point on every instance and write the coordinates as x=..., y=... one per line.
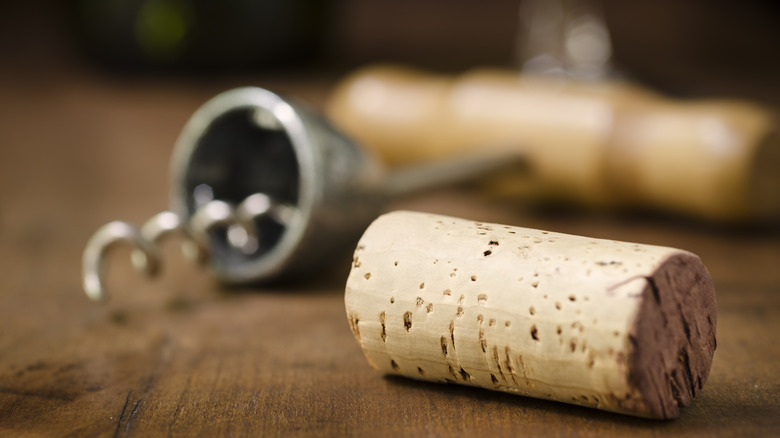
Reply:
x=612, y=144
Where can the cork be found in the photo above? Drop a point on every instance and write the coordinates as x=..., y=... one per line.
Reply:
x=617, y=326
x=613, y=145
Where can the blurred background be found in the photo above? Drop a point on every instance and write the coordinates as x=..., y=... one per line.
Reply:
x=87, y=85
x=94, y=92
x=696, y=48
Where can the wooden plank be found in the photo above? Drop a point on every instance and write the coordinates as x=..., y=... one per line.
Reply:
x=182, y=356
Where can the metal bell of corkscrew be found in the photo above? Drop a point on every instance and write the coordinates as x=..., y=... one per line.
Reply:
x=263, y=187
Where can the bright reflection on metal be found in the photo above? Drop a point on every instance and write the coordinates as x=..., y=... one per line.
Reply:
x=214, y=215
x=106, y=237
x=265, y=119
x=202, y=194
x=153, y=231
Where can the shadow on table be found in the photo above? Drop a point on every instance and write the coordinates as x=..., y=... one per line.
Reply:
x=531, y=407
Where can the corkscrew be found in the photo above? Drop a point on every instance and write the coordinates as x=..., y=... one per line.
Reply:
x=262, y=187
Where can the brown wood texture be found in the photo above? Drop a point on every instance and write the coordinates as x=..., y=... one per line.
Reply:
x=183, y=356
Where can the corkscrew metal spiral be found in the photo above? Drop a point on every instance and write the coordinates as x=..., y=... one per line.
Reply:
x=238, y=223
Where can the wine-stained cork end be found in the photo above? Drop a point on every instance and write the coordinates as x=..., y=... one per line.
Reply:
x=673, y=338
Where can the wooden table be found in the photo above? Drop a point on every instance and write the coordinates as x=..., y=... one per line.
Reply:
x=183, y=356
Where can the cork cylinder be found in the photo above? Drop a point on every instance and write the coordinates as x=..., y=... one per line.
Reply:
x=618, y=326
x=597, y=144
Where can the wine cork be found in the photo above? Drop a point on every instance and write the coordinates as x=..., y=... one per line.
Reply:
x=622, y=327
x=599, y=144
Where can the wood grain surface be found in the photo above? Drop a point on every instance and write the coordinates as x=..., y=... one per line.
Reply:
x=183, y=356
